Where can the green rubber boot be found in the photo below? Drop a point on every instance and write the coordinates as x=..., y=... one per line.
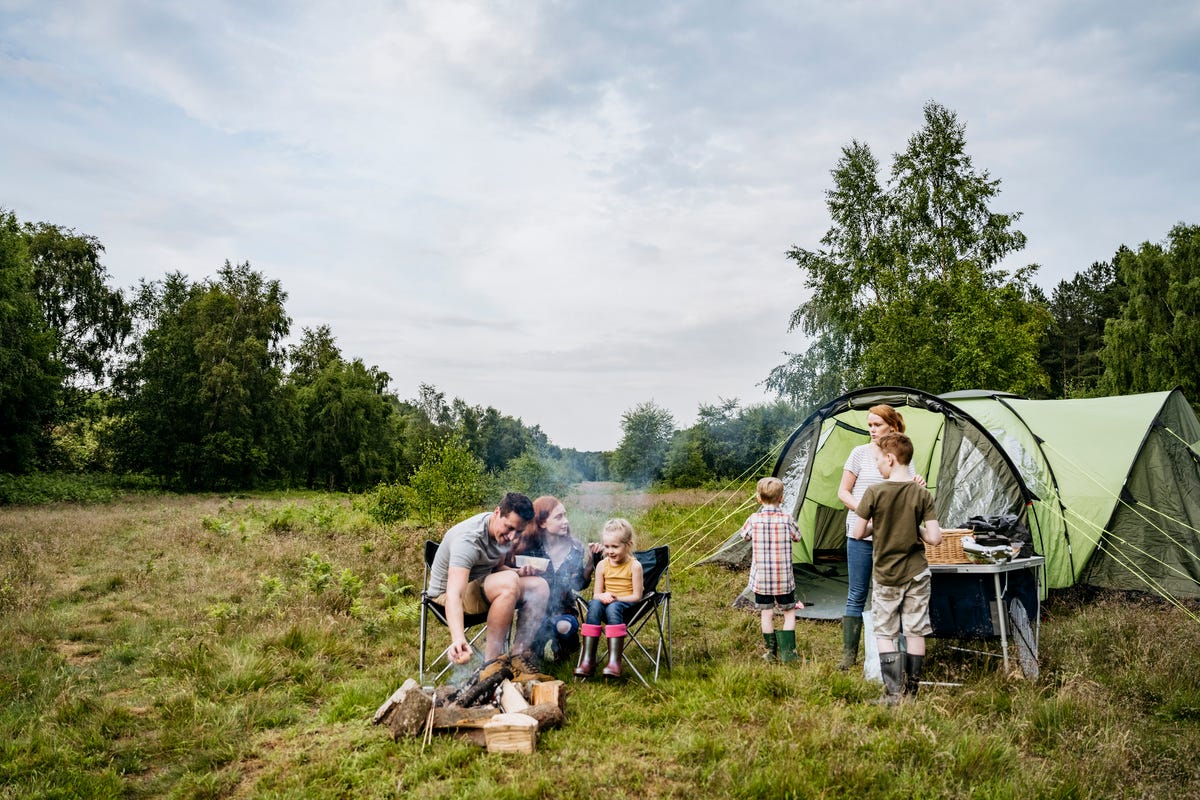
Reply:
x=787, y=646
x=851, y=636
x=772, y=646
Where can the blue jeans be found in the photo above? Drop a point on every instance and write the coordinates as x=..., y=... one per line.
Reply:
x=611, y=614
x=858, y=565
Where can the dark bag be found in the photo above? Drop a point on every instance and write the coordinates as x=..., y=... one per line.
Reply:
x=1000, y=529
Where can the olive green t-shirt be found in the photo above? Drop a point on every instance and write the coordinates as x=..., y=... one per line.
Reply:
x=896, y=510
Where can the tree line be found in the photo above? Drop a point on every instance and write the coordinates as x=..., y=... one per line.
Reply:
x=194, y=384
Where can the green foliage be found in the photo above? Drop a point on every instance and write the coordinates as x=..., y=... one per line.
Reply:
x=729, y=443
x=906, y=289
x=345, y=420
x=536, y=474
x=1081, y=307
x=449, y=480
x=56, y=487
x=646, y=434
x=316, y=572
x=205, y=401
x=390, y=503
x=1154, y=344
x=30, y=375
x=91, y=319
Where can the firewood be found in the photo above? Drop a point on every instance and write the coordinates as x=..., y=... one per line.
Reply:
x=548, y=715
x=410, y=711
x=511, y=699
x=550, y=692
x=452, y=717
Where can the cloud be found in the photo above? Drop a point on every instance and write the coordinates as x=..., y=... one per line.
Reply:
x=565, y=209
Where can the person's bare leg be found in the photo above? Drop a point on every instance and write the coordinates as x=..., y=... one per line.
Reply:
x=535, y=594
x=502, y=589
x=914, y=645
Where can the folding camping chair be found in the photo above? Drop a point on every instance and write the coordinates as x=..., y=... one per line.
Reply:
x=655, y=606
x=438, y=611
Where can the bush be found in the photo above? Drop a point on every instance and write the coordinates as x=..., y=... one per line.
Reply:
x=390, y=503
x=449, y=480
x=535, y=474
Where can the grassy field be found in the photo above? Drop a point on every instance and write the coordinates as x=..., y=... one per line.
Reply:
x=209, y=646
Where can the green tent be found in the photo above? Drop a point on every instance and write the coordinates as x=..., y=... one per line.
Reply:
x=1108, y=487
x=1117, y=481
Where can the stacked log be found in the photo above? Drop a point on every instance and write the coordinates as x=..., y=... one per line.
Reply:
x=412, y=711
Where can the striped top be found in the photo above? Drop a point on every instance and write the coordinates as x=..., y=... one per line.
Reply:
x=861, y=462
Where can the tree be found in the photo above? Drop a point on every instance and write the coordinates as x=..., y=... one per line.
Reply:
x=450, y=479
x=345, y=421
x=72, y=289
x=30, y=375
x=906, y=287
x=1155, y=342
x=646, y=434
x=1080, y=307
x=204, y=385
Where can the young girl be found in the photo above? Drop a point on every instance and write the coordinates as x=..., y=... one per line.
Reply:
x=618, y=586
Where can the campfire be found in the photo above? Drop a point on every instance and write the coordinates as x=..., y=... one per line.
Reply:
x=501, y=706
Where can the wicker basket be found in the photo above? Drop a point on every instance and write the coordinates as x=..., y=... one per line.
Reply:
x=950, y=551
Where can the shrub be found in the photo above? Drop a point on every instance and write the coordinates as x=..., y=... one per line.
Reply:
x=450, y=479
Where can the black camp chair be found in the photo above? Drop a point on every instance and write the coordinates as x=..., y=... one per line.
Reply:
x=655, y=606
x=438, y=611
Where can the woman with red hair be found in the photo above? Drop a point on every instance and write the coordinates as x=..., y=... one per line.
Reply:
x=569, y=571
x=860, y=473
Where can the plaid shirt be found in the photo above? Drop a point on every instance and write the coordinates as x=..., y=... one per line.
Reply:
x=771, y=530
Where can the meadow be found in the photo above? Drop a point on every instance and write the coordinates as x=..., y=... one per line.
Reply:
x=206, y=646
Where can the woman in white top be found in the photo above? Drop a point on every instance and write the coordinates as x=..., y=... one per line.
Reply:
x=860, y=473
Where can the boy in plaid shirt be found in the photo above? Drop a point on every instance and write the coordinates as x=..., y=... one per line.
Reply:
x=771, y=531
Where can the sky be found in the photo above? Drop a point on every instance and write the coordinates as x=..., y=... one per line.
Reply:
x=567, y=209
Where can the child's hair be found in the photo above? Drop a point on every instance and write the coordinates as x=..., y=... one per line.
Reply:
x=889, y=415
x=622, y=529
x=770, y=491
x=898, y=445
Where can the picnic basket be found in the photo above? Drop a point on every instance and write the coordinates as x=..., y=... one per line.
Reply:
x=950, y=551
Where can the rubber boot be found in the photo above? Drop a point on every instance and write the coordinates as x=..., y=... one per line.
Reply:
x=913, y=666
x=772, y=645
x=787, y=646
x=616, y=648
x=851, y=635
x=891, y=666
x=587, y=658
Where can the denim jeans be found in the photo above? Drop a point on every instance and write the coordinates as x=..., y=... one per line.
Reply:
x=858, y=565
x=611, y=614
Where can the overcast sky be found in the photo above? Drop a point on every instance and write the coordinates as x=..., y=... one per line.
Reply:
x=564, y=209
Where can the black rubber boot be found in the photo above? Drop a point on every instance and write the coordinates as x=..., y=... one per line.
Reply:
x=891, y=667
x=913, y=666
x=851, y=635
x=772, y=644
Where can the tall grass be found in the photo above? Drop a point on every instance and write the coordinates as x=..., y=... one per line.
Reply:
x=193, y=647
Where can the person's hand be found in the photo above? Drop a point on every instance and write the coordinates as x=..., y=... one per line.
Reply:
x=596, y=547
x=459, y=651
x=607, y=597
x=799, y=606
x=526, y=571
x=919, y=481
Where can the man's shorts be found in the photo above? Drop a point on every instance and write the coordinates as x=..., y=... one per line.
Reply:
x=474, y=599
x=766, y=602
x=901, y=608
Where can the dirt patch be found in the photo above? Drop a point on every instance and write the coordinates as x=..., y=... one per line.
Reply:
x=79, y=654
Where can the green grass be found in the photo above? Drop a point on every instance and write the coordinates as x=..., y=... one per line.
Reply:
x=209, y=646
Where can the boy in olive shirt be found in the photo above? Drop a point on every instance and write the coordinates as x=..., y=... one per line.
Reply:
x=901, y=514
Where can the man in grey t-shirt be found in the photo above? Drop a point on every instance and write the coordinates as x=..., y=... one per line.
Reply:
x=468, y=577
